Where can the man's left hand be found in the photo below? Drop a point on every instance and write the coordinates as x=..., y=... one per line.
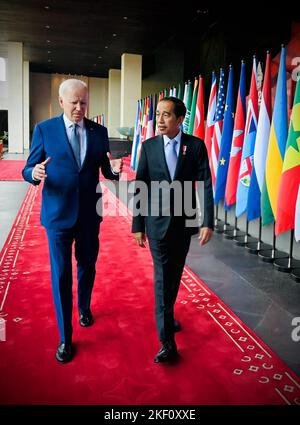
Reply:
x=116, y=164
x=205, y=235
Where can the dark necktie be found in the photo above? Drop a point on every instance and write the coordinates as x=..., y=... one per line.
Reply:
x=171, y=157
x=75, y=143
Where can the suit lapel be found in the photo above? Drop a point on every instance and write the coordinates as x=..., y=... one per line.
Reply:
x=181, y=155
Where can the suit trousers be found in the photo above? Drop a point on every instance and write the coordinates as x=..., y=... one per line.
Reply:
x=60, y=242
x=168, y=256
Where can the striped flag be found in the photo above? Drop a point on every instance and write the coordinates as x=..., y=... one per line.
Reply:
x=225, y=141
x=209, y=131
x=184, y=99
x=276, y=148
x=150, y=123
x=136, y=136
x=188, y=105
x=179, y=92
x=193, y=107
x=199, y=116
x=290, y=177
x=217, y=134
x=259, y=80
x=297, y=218
x=261, y=146
x=248, y=147
x=145, y=119
x=237, y=142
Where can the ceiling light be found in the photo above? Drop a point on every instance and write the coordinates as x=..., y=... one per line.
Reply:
x=47, y=27
x=47, y=7
x=48, y=41
x=99, y=57
x=125, y=18
x=49, y=60
x=114, y=35
x=105, y=47
x=49, y=51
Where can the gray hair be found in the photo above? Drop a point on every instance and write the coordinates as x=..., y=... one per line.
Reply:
x=71, y=82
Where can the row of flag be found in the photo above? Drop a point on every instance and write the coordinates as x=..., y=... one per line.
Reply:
x=145, y=124
x=254, y=158
x=98, y=119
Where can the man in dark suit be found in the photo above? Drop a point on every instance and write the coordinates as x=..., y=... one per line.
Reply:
x=174, y=158
x=66, y=154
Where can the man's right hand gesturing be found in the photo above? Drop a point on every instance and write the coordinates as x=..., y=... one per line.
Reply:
x=39, y=171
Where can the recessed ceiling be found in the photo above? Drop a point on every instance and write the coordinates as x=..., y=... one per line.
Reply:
x=88, y=37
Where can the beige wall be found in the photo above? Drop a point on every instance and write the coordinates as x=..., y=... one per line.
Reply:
x=98, y=97
x=44, y=96
x=114, y=100
x=40, y=97
x=26, y=105
x=56, y=80
x=15, y=97
x=131, y=87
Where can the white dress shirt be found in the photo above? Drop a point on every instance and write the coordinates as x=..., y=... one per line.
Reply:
x=81, y=133
x=177, y=138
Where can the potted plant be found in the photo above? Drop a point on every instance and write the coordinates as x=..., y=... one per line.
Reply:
x=3, y=138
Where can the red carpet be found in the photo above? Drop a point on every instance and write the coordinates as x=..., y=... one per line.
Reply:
x=11, y=169
x=222, y=361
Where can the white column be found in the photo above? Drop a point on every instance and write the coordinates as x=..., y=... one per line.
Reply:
x=15, y=97
x=131, y=87
x=114, y=99
x=26, y=104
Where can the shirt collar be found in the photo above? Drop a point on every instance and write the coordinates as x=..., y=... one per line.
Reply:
x=69, y=123
x=177, y=138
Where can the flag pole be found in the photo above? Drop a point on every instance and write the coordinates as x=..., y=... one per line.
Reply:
x=227, y=226
x=244, y=239
x=233, y=233
x=273, y=254
x=287, y=264
x=255, y=247
x=218, y=222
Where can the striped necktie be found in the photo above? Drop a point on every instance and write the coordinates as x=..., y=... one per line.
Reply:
x=75, y=143
x=171, y=157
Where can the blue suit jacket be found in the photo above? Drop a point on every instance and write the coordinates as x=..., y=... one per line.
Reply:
x=68, y=192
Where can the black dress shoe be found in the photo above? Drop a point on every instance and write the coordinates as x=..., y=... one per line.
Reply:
x=86, y=319
x=64, y=353
x=177, y=326
x=167, y=353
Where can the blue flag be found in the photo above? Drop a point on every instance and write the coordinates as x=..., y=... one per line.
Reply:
x=248, y=147
x=226, y=139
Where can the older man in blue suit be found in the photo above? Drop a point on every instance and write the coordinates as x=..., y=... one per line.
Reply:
x=66, y=154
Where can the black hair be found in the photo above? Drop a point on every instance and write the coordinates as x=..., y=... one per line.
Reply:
x=179, y=106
